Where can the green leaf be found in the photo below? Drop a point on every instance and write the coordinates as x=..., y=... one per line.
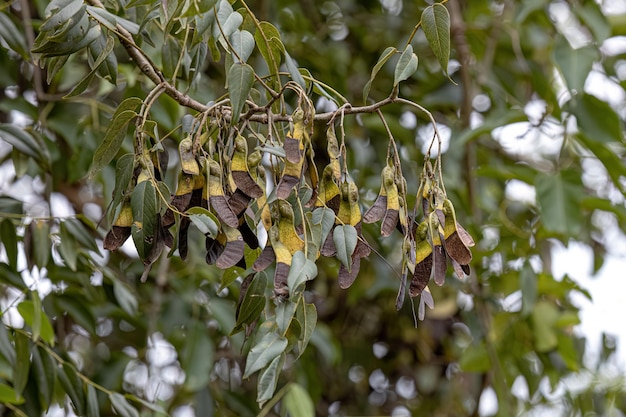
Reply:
x=83, y=316
x=592, y=16
x=406, y=66
x=67, y=248
x=326, y=218
x=382, y=60
x=115, y=134
x=22, y=363
x=574, y=64
x=10, y=276
x=306, y=315
x=109, y=20
x=27, y=310
x=40, y=242
x=6, y=347
x=298, y=402
x=475, y=359
x=242, y=42
x=77, y=229
x=93, y=408
x=436, y=26
x=204, y=220
x=253, y=302
x=269, y=347
x=345, y=238
x=596, y=119
x=170, y=53
x=59, y=12
x=568, y=352
x=102, y=57
x=528, y=285
x=25, y=143
x=123, y=175
x=294, y=71
x=544, y=317
x=611, y=161
x=145, y=205
x=268, y=41
x=125, y=297
x=284, y=314
x=9, y=396
x=122, y=406
x=240, y=81
x=268, y=379
x=197, y=357
x=45, y=372
x=73, y=387
x=8, y=237
x=13, y=37
x=559, y=196
x=301, y=271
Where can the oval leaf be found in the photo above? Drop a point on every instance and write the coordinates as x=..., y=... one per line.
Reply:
x=406, y=66
x=436, y=26
x=264, y=351
x=345, y=239
x=240, y=80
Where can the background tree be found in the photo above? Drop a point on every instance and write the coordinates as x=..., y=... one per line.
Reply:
x=94, y=96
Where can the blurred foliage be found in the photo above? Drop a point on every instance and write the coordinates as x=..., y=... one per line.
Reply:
x=530, y=101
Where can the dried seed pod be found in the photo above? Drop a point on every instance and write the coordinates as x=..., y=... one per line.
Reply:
x=423, y=261
x=214, y=193
x=240, y=171
x=328, y=191
x=188, y=161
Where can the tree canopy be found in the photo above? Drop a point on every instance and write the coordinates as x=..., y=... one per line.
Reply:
x=214, y=207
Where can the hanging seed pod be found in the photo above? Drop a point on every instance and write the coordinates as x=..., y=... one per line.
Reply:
x=214, y=193
x=240, y=171
x=234, y=247
x=121, y=229
x=423, y=260
x=350, y=213
x=328, y=191
x=439, y=255
x=456, y=241
x=332, y=147
x=188, y=162
x=294, y=157
x=283, y=263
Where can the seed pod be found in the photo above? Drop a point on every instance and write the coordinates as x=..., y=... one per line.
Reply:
x=240, y=171
x=328, y=191
x=214, y=193
x=294, y=157
x=423, y=261
x=188, y=162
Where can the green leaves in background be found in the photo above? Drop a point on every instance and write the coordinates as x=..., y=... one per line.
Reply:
x=115, y=134
x=436, y=26
x=559, y=198
x=37, y=320
x=574, y=64
x=27, y=143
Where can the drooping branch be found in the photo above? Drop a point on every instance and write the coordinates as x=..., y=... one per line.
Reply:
x=258, y=114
